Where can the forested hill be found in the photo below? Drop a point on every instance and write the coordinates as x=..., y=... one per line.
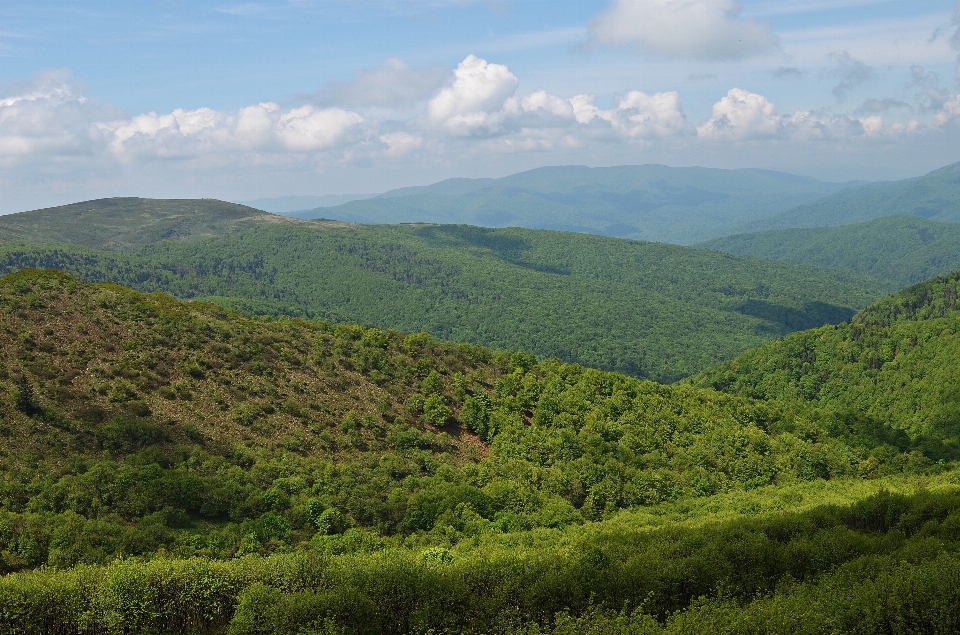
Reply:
x=898, y=361
x=897, y=250
x=645, y=202
x=651, y=310
x=935, y=196
x=125, y=223
x=172, y=467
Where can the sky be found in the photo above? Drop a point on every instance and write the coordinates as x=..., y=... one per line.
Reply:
x=246, y=100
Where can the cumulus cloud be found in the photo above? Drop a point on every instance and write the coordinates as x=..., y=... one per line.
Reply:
x=703, y=29
x=636, y=114
x=263, y=128
x=741, y=114
x=400, y=143
x=951, y=111
x=393, y=84
x=852, y=73
x=48, y=115
x=473, y=101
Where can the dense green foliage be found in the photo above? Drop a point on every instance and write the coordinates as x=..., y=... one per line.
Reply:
x=650, y=310
x=135, y=422
x=127, y=223
x=935, y=196
x=886, y=564
x=897, y=361
x=645, y=202
x=899, y=250
x=172, y=467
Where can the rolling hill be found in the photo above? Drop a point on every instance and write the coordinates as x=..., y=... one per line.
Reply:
x=650, y=310
x=898, y=250
x=646, y=202
x=897, y=361
x=171, y=466
x=127, y=223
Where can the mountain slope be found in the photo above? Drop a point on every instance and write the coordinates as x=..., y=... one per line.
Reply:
x=935, y=196
x=900, y=250
x=648, y=202
x=171, y=467
x=650, y=310
x=897, y=361
x=126, y=223
x=130, y=422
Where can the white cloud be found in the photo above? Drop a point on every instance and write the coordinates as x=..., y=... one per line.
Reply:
x=261, y=128
x=636, y=114
x=741, y=114
x=951, y=110
x=48, y=115
x=704, y=29
x=308, y=128
x=400, y=143
x=475, y=98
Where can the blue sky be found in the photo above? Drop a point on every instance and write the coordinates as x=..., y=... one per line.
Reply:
x=257, y=99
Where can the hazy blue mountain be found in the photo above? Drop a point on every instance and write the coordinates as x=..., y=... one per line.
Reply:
x=935, y=196
x=899, y=250
x=648, y=202
x=290, y=205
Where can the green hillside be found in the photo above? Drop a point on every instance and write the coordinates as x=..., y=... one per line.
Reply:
x=126, y=223
x=650, y=310
x=899, y=250
x=897, y=361
x=645, y=202
x=934, y=196
x=173, y=467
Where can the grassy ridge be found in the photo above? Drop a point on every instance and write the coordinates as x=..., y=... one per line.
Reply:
x=127, y=223
x=650, y=310
x=898, y=250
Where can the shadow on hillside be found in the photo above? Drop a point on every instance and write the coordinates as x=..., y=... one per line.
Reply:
x=786, y=319
x=508, y=248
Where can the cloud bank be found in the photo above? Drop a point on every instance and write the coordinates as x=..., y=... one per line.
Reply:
x=436, y=117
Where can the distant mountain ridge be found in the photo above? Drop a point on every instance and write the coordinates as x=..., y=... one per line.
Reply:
x=645, y=202
x=934, y=196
